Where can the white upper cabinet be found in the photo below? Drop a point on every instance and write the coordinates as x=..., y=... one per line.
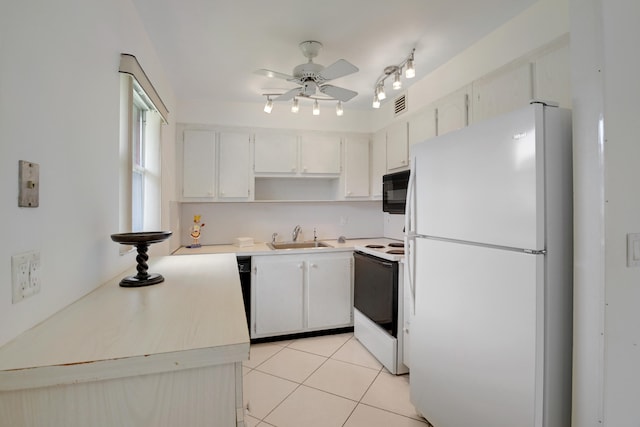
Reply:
x=422, y=125
x=502, y=92
x=378, y=162
x=356, y=169
x=452, y=111
x=276, y=153
x=397, y=146
x=288, y=154
x=553, y=76
x=199, y=159
x=235, y=165
x=320, y=154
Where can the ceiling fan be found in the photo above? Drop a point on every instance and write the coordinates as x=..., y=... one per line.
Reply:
x=312, y=77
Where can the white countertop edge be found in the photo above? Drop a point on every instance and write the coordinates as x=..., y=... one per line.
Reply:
x=45, y=376
x=261, y=248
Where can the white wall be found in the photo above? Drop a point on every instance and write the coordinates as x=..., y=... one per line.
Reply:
x=225, y=221
x=605, y=72
x=59, y=107
x=589, y=247
x=252, y=115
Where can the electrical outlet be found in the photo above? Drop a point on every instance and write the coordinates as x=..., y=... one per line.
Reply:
x=34, y=274
x=25, y=271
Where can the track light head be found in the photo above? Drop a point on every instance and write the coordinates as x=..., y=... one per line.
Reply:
x=268, y=106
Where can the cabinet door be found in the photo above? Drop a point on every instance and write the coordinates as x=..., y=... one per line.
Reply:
x=234, y=165
x=553, y=76
x=329, y=291
x=320, y=154
x=378, y=162
x=503, y=92
x=276, y=153
x=452, y=111
x=198, y=163
x=422, y=126
x=277, y=295
x=397, y=146
x=356, y=168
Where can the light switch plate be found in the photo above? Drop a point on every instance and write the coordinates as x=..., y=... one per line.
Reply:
x=633, y=250
x=29, y=184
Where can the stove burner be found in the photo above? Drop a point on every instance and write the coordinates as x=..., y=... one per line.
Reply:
x=396, y=251
x=374, y=246
x=396, y=245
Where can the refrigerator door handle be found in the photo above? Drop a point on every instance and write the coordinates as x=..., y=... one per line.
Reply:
x=410, y=241
x=409, y=221
x=410, y=234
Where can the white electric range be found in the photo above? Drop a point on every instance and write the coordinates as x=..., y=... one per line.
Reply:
x=389, y=249
x=379, y=314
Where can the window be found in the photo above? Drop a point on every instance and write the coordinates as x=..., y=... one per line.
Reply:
x=138, y=166
x=140, y=130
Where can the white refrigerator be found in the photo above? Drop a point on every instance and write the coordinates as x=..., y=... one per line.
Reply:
x=489, y=253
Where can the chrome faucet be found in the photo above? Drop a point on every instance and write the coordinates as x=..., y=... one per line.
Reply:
x=273, y=237
x=296, y=232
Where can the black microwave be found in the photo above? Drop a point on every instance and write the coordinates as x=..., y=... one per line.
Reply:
x=394, y=192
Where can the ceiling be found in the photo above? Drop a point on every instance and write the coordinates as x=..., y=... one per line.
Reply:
x=210, y=49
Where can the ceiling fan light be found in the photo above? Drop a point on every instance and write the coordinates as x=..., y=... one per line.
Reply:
x=410, y=72
x=295, y=107
x=339, y=110
x=316, y=108
x=268, y=106
x=376, y=102
x=397, y=84
x=380, y=92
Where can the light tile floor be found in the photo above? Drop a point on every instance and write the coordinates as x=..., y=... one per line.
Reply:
x=323, y=381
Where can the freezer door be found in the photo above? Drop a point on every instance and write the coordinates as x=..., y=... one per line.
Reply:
x=481, y=183
x=476, y=336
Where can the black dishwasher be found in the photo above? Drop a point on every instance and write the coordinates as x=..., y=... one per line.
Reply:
x=244, y=269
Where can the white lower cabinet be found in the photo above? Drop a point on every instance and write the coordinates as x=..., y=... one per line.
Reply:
x=299, y=293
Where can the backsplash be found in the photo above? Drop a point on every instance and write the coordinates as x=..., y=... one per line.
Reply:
x=226, y=221
x=393, y=226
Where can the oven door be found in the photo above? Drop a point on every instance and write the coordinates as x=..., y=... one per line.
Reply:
x=376, y=290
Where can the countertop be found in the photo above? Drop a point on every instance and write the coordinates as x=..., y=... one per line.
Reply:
x=194, y=318
x=261, y=248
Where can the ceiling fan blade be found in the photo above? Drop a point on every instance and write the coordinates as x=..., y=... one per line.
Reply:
x=339, y=68
x=273, y=74
x=339, y=93
x=288, y=95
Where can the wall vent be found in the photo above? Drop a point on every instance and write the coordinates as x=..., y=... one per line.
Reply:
x=400, y=105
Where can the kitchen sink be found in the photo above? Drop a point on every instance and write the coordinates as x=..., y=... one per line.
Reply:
x=298, y=245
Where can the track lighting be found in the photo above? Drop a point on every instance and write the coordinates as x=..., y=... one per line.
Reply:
x=397, y=84
x=268, y=106
x=376, y=102
x=295, y=106
x=396, y=71
x=410, y=71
